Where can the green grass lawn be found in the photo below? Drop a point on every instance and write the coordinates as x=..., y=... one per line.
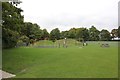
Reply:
x=91, y=61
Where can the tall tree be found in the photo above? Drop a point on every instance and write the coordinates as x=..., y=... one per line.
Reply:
x=37, y=31
x=55, y=34
x=12, y=22
x=105, y=35
x=45, y=34
x=114, y=33
x=94, y=34
x=64, y=34
x=72, y=33
x=82, y=33
x=26, y=29
x=32, y=31
x=119, y=31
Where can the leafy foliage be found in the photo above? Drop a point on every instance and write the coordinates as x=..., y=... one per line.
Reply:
x=119, y=31
x=64, y=34
x=105, y=35
x=82, y=33
x=45, y=34
x=72, y=33
x=12, y=22
x=94, y=34
x=15, y=30
x=114, y=33
x=9, y=38
x=55, y=34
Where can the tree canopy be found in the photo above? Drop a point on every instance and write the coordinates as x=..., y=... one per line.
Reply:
x=94, y=34
x=119, y=31
x=12, y=23
x=55, y=34
x=105, y=35
x=15, y=30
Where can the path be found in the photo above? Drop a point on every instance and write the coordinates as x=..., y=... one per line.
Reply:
x=4, y=74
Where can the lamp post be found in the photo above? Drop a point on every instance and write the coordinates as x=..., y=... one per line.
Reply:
x=65, y=41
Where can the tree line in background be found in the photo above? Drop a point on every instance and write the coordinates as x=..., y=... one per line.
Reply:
x=16, y=31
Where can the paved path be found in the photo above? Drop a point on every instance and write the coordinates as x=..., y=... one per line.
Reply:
x=4, y=74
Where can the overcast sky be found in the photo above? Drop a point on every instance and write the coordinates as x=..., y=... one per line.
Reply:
x=66, y=14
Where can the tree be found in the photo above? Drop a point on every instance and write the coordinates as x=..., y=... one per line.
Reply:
x=119, y=31
x=35, y=32
x=85, y=34
x=12, y=22
x=55, y=34
x=72, y=33
x=114, y=33
x=45, y=34
x=64, y=34
x=94, y=34
x=9, y=38
x=32, y=31
x=82, y=33
x=38, y=32
x=11, y=16
x=22, y=40
x=78, y=33
x=26, y=29
x=105, y=35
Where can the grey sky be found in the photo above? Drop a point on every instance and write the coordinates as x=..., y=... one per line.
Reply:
x=66, y=14
x=119, y=13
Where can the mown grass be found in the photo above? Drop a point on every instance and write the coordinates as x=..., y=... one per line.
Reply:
x=90, y=61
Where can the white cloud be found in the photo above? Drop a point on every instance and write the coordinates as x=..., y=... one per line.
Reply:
x=66, y=14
